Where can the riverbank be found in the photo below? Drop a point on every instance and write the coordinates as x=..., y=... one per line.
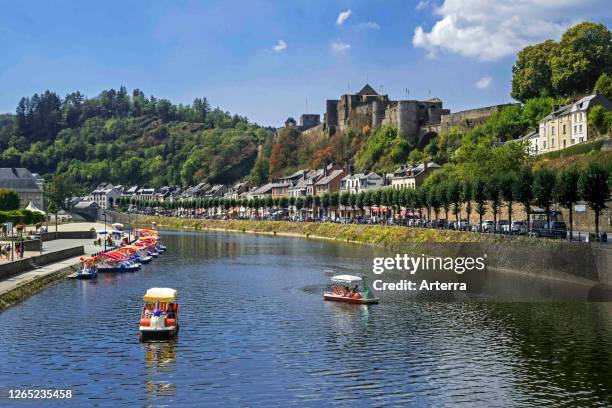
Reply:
x=581, y=263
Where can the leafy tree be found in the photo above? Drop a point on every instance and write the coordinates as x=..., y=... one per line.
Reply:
x=531, y=73
x=508, y=183
x=480, y=198
x=467, y=195
x=493, y=191
x=597, y=119
x=594, y=188
x=523, y=192
x=454, y=196
x=543, y=187
x=604, y=85
x=9, y=199
x=585, y=52
x=566, y=192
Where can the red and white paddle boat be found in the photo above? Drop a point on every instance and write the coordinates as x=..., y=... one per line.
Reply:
x=349, y=289
x=159, y=316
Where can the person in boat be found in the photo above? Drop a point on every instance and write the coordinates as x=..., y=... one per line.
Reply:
x=355, y=290
x=170, y=311
x=347, y=291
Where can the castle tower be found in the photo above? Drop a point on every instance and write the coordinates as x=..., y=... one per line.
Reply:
x=378, y=113
x=408, y=120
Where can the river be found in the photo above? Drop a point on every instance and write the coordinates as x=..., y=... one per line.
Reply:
x=255, y=331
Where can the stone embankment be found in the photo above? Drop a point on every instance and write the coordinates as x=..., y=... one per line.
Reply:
x=585, y=263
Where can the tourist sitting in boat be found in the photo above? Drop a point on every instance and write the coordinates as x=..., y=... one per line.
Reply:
x=341, y=291
x=170, y=311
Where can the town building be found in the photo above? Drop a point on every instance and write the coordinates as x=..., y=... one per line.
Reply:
x=330, y=181
x=106, y=195
x=566, y=125
x=355, y=183
x=25, y=184
x=411, y=177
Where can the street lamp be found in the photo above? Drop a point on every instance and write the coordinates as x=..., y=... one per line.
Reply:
x=129, y=211
x=105, y=230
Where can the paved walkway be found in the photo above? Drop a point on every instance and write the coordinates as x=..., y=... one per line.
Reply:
x=56, y=245
x=18, y=280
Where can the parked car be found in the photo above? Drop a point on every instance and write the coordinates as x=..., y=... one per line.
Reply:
x=463, y=225
x=517, y=227
x=487, y=226
x=502, y=226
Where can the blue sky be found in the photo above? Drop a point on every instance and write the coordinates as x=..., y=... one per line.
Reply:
x=267, y=59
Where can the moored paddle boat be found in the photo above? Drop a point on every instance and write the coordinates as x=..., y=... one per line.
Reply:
x=87, y=268
x=349, y=289
x=115, y=261
x=159, y=316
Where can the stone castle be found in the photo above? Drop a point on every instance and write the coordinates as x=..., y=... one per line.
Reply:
x=417, y=121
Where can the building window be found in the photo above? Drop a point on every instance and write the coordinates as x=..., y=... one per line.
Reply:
x=552, y=142
x=564, y=129
x=581, y=139
x=543, y=144
x=564, y=143
x=552, y=131
x=580, y=128
x=575, y=127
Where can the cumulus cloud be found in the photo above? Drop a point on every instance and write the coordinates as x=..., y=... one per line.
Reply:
x=280, y=46
x=370, y=25
x=484, y=82
x=490, y=29
x=338, y=46
x=343, y=16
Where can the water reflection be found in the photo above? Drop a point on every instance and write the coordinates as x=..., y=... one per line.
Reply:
x=160, y=366
x=258, y=333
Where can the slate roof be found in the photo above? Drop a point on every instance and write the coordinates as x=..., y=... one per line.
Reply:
x=367, y=90
x=330, y=176
x=19, y=179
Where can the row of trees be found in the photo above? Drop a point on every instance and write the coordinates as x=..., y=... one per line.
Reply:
x=542, y=187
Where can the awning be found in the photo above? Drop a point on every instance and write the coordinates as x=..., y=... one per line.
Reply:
x=160, y=295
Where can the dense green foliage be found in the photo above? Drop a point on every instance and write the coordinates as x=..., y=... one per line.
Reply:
x=128, y=139
x=567, y=68
x=21, y=217
x=9, y=200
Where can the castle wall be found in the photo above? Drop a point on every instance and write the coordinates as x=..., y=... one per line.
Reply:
x=468, y=119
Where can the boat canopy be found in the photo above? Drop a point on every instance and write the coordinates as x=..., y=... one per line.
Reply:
x=346, y=278
x=160, y=295
x=113, y=255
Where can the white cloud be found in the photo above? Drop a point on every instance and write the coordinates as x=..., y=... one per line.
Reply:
x=489, y=29
x=343, y=16
x=370, y=25
x=280, y=46
x=484, y=82
x=422, y=4
x=338, y=46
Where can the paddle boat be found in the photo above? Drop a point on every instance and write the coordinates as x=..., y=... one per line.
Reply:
x=115, y=261
x=87, y=268
x=143, y=233
x=134, y=254
x=159, y=315
x=350, y=289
